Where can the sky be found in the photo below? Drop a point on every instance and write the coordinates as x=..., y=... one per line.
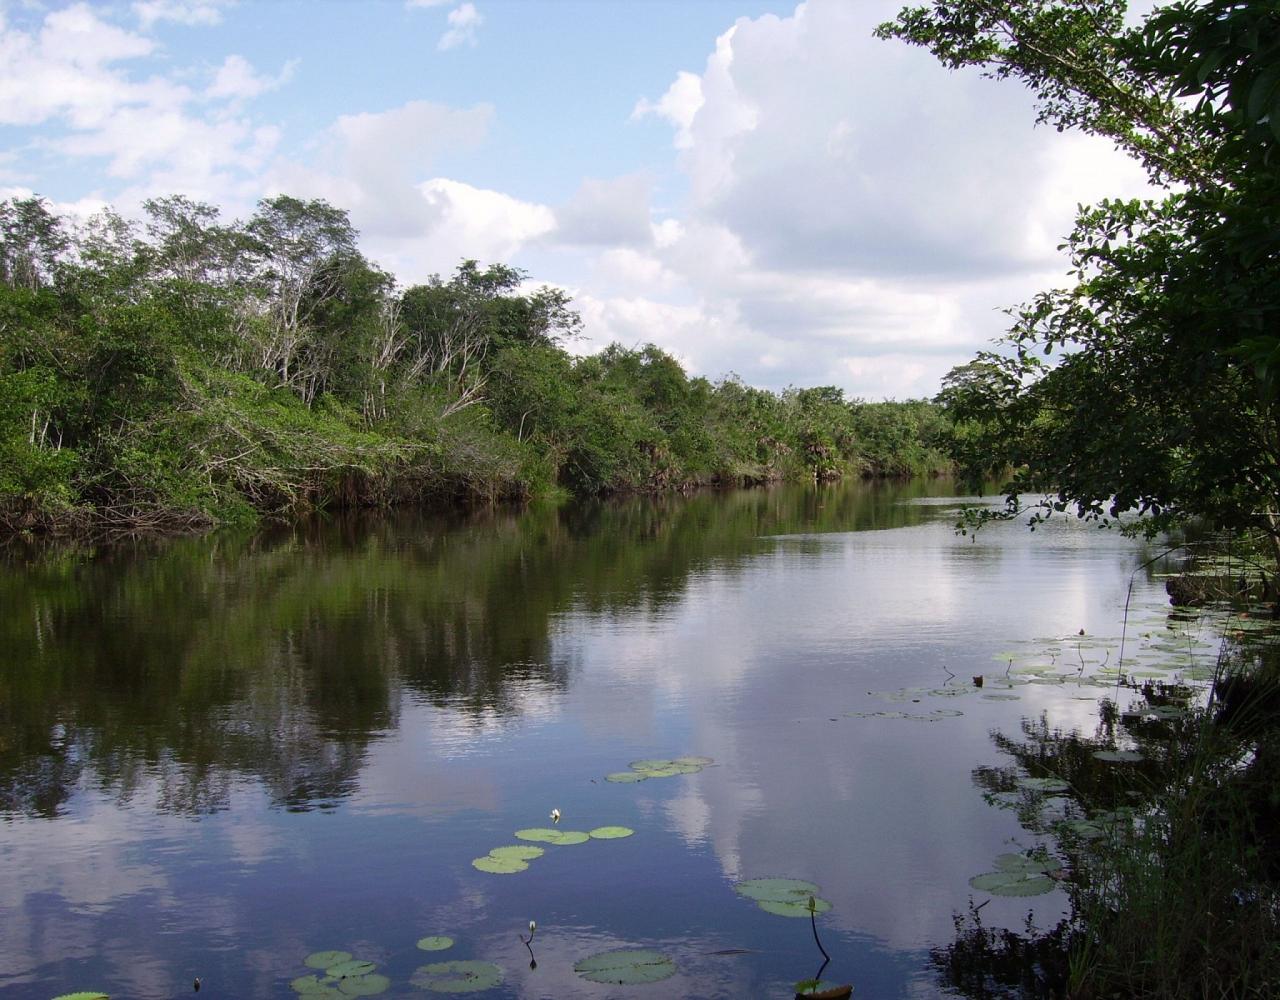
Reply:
x=759, y=188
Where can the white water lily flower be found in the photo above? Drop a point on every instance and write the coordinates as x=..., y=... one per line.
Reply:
x=555, y=815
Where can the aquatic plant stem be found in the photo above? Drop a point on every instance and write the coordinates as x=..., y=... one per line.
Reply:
x=813, y=922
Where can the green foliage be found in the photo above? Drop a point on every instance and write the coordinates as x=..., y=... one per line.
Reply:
x=186, y=372
x=1149, y=385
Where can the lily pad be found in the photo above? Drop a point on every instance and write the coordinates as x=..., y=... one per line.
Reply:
x=695, y=760
x=351, y=967
x=611, y=832
x=670, y=771
x=570, y=837
x=781, y=890
x=539, y=834
x=499, y=866
x=1118, y=756
x=649, y=765
x=325, y=959
x=1012, y=884
x=369, y=985
x=314, y=987
x=626, y=967
x=519, y=852
x=436, y=942
x=83, y=995
x=625, y=777
x=794, y=907
x=1023, y=864
x=457, y=977
x=1049, y=786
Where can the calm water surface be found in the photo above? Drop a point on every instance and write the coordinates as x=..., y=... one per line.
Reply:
x=219, y=755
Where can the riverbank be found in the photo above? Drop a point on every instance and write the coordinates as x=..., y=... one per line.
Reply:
x=195, y=373
x=1164, y=822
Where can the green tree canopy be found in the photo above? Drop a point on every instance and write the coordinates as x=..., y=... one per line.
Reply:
x=1149, y=385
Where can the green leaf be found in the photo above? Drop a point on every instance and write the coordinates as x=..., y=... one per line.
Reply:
x=520, y=852
x=457, y=977
x=626, y=967
x=570, y=837
x=625, y=777
x=499, y=866
x=324, y=959
x=83, y=995
x=436, y=942
x=351, y=967
x=794, y=907
x=364, y=986
x=781, y=890
x=314, y=986
x=1011, y=884
x=540, y=834
x=611, y=832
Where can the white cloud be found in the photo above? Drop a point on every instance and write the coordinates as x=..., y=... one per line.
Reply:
x=855, y=213
x=412, y=4
x=189, y=12
x=464, y=22
x=608, y=212
x=679, y=105
x=236, y=79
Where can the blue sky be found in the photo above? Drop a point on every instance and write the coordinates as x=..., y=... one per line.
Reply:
x=757, y=187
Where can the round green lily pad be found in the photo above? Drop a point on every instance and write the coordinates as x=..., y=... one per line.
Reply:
x=625, y=777
x=499, y=866
x=313, y=987
x=457, y=977
x=520, y=852
x=325, y=959
x=436, y=942
x=649, y=765
x=780, y=890
x=83, y=995
x=611, y=832
x=694, y=759
x=570, y=837
x=1022, y=864
x=540, y=834
x=369, y=985
x=351, y=967
x=626, y=967
x=794, y=907
x=670, y=771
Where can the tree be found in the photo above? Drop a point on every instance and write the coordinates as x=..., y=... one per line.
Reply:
x=1148, y=386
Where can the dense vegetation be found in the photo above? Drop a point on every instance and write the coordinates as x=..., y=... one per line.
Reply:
x=191, y=372
x=1149, y=386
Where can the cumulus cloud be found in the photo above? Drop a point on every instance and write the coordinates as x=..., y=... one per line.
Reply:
x=189, y=12
x=373, y=163
x=855, y=214
x=236, y=79
x=464, y=22
x=679, y=105
x=608, y=212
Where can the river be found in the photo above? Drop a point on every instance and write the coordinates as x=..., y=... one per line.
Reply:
x=221, y=755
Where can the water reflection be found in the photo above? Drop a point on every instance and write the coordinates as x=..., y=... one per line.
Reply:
x=311, y=732
x=282, y=656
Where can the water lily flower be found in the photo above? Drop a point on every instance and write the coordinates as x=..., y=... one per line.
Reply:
x=555, y=815
x=533, y=926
